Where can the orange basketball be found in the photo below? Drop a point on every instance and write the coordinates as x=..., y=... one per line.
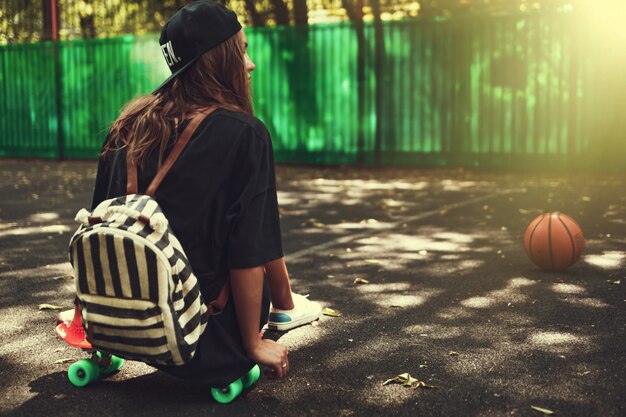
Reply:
x=553, y=241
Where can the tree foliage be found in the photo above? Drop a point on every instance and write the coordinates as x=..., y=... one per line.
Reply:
x=29, y=20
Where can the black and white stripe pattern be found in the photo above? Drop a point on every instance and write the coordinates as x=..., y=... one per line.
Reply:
x=138, y=295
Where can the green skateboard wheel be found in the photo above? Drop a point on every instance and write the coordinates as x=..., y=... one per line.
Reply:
x=227, y=394
x=83, y=372
x=116, y=363
x=251, y=377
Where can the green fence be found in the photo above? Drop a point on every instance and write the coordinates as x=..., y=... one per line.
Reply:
x=511, y=91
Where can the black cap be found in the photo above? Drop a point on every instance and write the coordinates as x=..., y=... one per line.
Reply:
x=193, y=30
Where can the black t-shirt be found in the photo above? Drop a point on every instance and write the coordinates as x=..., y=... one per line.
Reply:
x=219, y=197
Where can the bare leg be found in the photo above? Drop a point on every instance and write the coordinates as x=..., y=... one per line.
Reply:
x=280, y=286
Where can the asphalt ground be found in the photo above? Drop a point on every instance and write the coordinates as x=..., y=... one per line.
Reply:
x=451, y=298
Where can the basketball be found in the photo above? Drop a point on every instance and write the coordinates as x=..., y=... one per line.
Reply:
x=553, y=241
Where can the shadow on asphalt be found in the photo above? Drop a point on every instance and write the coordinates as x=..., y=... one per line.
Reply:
x=451, y=298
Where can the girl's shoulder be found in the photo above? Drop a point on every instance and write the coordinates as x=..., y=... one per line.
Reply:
x=227, y=119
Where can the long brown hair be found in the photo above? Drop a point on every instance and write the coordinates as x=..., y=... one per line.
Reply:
x=217, y=79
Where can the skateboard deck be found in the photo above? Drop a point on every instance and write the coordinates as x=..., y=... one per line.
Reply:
x=86, y=371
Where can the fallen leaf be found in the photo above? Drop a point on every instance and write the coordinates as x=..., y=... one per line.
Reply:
x=583, y=373
x=392, y=203
x=64, y=277
x=542, y=410
x=330, y=312
x=408, y=381
x=360, y=281
x=404, y=379
x=284, y=212
x=64, y=360
x=453, y=353
x=616, y=282
x=529, y=211
x=585, y=198
x=49, y=307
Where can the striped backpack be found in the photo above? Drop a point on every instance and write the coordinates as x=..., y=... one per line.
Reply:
x=138, y=296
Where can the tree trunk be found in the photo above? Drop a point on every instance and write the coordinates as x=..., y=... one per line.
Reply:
x=355, y=13
x=300, y=12
x=46, y=11
x=87, y=23
x=253, y=14
x=281, y=12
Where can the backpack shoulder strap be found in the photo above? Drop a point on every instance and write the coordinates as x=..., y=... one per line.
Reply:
x=131, y=166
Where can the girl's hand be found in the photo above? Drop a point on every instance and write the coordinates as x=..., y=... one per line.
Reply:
x=272, y=355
